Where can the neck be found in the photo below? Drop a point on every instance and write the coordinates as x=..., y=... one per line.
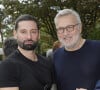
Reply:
x=28, y=54
x=77, y=46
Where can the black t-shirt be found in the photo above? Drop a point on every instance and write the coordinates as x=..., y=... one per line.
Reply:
x=78, y=69
x=18, y=71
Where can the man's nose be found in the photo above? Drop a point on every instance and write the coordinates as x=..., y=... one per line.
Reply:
x=29, y=35
x=65, y=32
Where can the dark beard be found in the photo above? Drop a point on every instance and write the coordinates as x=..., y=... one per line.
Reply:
x=28, y=46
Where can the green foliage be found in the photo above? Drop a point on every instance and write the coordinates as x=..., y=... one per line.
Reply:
x=95, y=32
x=45, y=11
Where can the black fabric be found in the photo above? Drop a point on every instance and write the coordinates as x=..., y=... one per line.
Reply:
x=18, y=71
x=78, y=69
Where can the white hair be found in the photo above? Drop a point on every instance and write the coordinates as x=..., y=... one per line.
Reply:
x=66, y=12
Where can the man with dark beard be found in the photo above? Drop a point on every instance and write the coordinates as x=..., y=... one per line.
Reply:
x=24, y=69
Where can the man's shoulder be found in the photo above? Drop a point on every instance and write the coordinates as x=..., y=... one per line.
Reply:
x=11, y=60
x=59, y=50
x=44, y=61
x=95, y=43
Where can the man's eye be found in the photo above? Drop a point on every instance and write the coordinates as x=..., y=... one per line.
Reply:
x=34, y=31
x=71, y=26
x=22, y=31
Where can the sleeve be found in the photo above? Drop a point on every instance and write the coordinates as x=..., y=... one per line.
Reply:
x=8, y=75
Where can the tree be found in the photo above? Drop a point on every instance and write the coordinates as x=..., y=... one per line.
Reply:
x=45, y=11
x=1, y=19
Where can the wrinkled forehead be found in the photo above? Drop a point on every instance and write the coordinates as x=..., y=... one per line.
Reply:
x=66, y=20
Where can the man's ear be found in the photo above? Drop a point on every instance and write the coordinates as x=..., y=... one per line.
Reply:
x=15, y=34
x=80, y=28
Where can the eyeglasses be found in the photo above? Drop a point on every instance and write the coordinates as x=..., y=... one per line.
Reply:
x=69, y=28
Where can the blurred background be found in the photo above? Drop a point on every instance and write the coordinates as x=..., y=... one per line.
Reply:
x=45, y=11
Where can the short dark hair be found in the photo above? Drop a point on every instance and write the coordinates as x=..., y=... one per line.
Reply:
x=9, y=46
x=25, y=17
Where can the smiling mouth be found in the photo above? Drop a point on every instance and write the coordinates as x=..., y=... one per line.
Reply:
x=67, y=38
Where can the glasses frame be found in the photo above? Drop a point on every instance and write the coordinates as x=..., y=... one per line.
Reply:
x=69, y=28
